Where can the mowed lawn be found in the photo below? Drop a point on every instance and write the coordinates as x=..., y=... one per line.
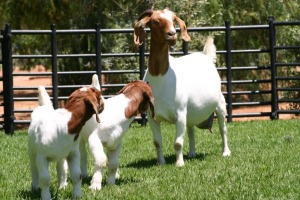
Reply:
x=265, y=164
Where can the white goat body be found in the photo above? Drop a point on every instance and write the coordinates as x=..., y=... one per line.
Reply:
x=118, y=114
x=187, y=90
x=53, y=136
x=177, y=88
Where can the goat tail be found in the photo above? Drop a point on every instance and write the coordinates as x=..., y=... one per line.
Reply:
x=210, y=49
x=95, y=82
x=44, y=98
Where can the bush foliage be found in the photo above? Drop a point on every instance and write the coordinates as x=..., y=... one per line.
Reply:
x=79, y=14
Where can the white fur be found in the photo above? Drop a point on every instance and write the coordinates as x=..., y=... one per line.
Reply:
x=108, y=134
x=186, y=95
x=49, y=141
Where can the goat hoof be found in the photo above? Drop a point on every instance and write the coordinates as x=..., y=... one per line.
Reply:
x=161, y=162
x=111, y=181
x=77, y=195
x=34, y=188
x=179, y=163
x=192, y=155
x=95, y=187
x=63, y=185
x=226, y=153
x=117, y=176
x=84, y=175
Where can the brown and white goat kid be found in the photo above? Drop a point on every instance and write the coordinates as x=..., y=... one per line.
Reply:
x=53, y=135
x=120, y=110
x=187, y=90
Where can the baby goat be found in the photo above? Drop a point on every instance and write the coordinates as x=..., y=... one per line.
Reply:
x=53, y=135
x=119, y=112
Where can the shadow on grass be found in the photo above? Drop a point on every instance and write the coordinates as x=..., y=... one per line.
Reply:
x=143, y=163
x=170, y=159
x=27, y=194
x=120, y=181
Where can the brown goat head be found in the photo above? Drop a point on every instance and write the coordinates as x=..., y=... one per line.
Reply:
x=83, y=103
x=161, y=24
x=141, y=98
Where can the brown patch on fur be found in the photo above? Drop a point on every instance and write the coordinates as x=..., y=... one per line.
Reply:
x=83, y=104
x=141, y=98
x=160, y=38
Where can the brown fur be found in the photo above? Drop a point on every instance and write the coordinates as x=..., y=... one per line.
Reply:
x=140, y=95
x=160, y=38
x=82, y=105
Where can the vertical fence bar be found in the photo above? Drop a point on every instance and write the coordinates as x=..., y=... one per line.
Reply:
x=185, y=47
x=142, y=60
x=54, y=66
x=273, y=67
x=8, y=81
x=98, y=53
x=142, y=73
x=228, y=71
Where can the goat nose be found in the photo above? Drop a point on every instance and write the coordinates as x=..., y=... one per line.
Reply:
x=171, y=33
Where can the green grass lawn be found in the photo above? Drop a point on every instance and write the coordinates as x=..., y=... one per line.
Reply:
x=265, y=164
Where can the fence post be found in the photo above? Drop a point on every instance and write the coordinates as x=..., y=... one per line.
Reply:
x=98, y=53
x=142, y=73
x=228, y=71
x=273, y=67
x=185, y=47
x=54, y=66
x=8, y=81
x=142, y=60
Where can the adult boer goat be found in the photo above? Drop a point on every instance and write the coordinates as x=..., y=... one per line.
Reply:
x=53, y=135
x=120, y=110
x=187, y=90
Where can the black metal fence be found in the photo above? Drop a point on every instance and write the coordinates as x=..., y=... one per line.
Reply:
x=9, y=122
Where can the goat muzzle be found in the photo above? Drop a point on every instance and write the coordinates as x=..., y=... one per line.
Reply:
x=171, y=39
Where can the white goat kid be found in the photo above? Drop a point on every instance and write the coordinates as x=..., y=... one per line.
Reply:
x=187, y=90
x=119, y=112
x=53, y=135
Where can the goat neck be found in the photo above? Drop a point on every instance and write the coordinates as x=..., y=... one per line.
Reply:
x=159, y=55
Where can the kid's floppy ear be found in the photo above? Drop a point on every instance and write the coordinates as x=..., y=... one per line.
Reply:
x=183, y=29
x=96, y=107
x=97, y=117
x=151, y=104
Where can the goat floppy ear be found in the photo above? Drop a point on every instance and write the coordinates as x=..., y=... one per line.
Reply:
x=96, y=112
x=183, y=29
x=93, y=102
x=151, y=104
x=139, y=32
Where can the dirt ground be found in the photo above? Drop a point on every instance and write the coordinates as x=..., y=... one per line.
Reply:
x=46, y=81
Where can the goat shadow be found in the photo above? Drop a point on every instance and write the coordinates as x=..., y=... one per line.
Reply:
x=170, y=160
x=143, y=163
x=28, y=194
x=120, y=181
